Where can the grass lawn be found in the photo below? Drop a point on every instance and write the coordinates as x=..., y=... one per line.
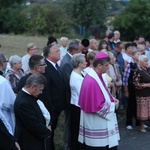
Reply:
x=17, y=44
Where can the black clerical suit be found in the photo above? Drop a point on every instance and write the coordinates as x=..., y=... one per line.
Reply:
x=31, y=130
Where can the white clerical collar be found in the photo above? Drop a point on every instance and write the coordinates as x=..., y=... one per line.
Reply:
x=23, y=89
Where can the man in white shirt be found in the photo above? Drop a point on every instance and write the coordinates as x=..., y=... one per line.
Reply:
x=116, y=36
x=31, y=50
x=63, y=47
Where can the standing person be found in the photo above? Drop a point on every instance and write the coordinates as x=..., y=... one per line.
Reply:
x=63, y=47
x=129, y=89
x=116, y=36
x=15, y=73
x=141, y=80
x=127, y=55
x=83, y=47
x=98, y=123
x=76, y=78
x=51, y=41
x=119, y=58
x=54, y=93
x=90, y=58
x=114, y=73
x=103, y=45
x=7, y=122
x=66, y=69
x=7, y=97
x=111, y=43
x=120, y=61
x=93, y=45
x=31, y=130
x=31, y=50
x=37, y=65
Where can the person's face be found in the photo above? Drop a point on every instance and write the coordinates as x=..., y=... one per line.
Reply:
x=119, y=49
x=104, y=67
x=130, y=49
x=64, y=43
x=83, y=64
x=147, y=43
x=83, y=49
x=144, y=63
x=112, y=60
x=141, y=48
x=54, y=54
x=41, y=66
x=93, y=45
x=18, y=65
x=104, y=45
x=136, y=56
x=116, y=35
x=37, y=90
x=33, y=50
x=141, y=39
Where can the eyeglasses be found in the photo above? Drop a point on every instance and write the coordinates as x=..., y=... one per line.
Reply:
x=34, y=48
x=42, y=64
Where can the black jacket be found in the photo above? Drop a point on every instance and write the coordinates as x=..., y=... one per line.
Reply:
x=31, y=131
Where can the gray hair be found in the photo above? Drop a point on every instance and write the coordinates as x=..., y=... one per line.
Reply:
x=142, y=57
x=77, y=59
x=63, y=38
x=14, y=59
x=73, y=46
x=36, y=80
x=116, y=31
x=135, y=51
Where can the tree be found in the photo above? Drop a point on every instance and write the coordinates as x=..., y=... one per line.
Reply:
x=8, y=3
x=134, y=20
x=87, y=12
x=12, y=19
x=49, y=19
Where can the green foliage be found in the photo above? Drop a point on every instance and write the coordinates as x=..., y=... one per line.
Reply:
x=48, y=18
x=134, y=20
x=13, y=19
x=9, y=3
x=88, y=12
x=53, y=17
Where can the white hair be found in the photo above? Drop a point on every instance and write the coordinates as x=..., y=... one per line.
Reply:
x=142, y=57
x=63, y=38
x=14, y=59
x=116, y=31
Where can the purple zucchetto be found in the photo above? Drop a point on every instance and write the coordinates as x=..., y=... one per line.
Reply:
x=101, y=55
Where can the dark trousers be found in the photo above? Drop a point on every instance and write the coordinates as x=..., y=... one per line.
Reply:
x=100, y=148
x=74, y=127
x=131, y=108
x=67, y=129
x=55, y=117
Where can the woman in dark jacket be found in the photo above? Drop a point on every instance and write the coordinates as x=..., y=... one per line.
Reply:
x=142, y=91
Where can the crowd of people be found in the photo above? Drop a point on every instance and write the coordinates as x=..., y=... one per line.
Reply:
x=86, y=80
